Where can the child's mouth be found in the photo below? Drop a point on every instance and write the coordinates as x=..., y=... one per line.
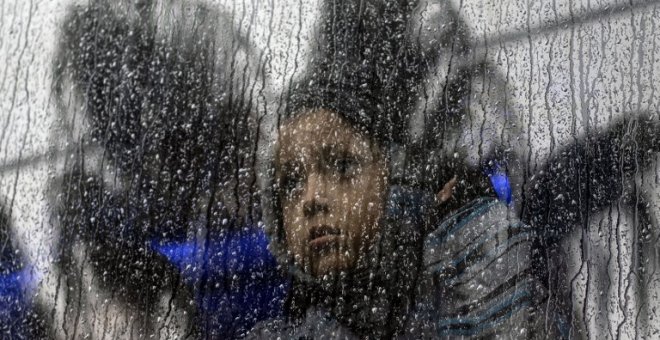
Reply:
x=323, y=236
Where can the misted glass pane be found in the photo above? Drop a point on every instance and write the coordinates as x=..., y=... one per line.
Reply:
x=329, y=169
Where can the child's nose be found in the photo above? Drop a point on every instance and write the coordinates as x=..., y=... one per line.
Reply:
x=315, y=199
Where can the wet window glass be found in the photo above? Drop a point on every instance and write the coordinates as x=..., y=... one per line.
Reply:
x=329, y=169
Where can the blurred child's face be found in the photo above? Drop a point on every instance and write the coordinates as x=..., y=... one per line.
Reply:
x=333, y=182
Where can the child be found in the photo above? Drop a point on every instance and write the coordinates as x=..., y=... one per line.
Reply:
x=365, y=255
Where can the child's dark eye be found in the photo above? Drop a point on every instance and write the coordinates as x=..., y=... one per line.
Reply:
x=346, y=166
x=291, y=183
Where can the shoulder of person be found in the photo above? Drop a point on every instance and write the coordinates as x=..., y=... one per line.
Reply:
x=482, y=220
x=478, y=272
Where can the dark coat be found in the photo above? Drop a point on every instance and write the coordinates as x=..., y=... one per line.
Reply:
x=473, y=279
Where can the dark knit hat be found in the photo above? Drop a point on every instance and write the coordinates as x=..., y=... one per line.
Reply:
x=366, y=70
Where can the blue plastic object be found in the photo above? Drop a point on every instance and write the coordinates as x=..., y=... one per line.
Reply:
x=17, y=284
x=500, y=182
x=233, y=276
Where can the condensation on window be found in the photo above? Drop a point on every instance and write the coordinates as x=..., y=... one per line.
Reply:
x=329, y=169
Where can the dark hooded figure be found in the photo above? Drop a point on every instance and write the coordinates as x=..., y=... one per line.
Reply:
x=154, y=197
x=372, y=253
